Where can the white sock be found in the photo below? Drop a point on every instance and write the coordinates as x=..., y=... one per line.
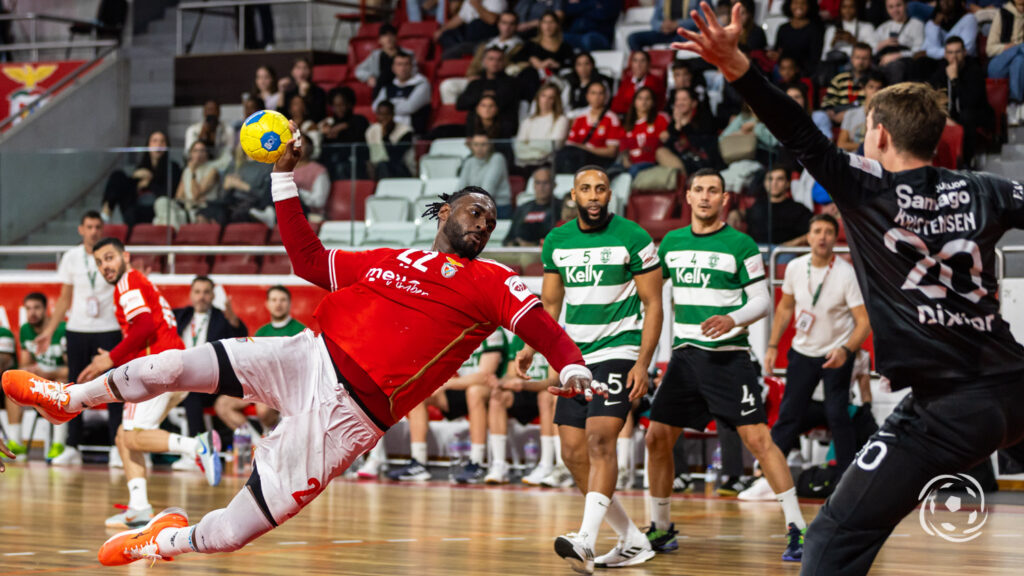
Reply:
x=60, y=434
x=497, y=442
x=661, y=512
x=91, y=393
x=547, y=452
x=558, y=452
x=622, y=446
x=137, y=496
x=477, y=453
x=593, y=513
x=419, y=452
x=175, y=541
x=791, y=508
x=379, y=452
x=618, y=519
x=178, y=444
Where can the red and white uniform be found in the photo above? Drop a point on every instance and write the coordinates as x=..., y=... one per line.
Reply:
x=627, y=89
x=643, y=140
x=608, y=131
x=148, y=326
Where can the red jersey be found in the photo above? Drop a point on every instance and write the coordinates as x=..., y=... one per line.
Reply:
x=134, y=296
x=607, y=133
x=643, y=140
x=627, y=89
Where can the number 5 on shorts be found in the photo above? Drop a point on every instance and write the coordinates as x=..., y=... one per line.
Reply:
x=614, y=384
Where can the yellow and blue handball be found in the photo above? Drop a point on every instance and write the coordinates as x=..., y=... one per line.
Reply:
x=264, y=136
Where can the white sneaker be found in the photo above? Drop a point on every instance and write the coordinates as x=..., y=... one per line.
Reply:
x=370, y=469
x=538, y=475
x=69, y=457
x=497, y=474
x=628, y=551
x=625, y=481
x=1013, y=114
x=185, y=464
x=560, y=477
x=114, y=460
x=573, y=548
x=758, y=491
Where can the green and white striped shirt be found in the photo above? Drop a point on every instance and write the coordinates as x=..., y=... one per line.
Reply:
x=496, y=342
x=709, y=273
x=603, y=313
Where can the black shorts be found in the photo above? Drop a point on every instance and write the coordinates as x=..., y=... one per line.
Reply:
x=524, y=407
x=457, y=407
x=701, y=385
x=575, y=411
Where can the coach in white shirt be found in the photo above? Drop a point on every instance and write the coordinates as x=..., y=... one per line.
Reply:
x=821, y=290
x=91, y=324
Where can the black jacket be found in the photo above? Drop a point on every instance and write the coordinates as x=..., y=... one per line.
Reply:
x=966, y=94
x=219, y=328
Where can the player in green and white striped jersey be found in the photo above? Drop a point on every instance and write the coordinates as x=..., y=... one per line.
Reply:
x=718, y=289
x=50, y=363
x=605, y=268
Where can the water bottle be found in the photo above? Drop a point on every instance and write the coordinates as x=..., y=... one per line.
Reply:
x=242, y=447
x=531, y=453
x=716, y=465
x=709, y=483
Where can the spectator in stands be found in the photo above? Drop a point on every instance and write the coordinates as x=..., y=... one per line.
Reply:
x=963, y=81
x=950, y=18
x=507, y=41
x=7, y=361
x=683, y=77
x=846, y=90
x=266, y=88
x=639, y=76
x=831, y=325
x=298, y=112
x=488, y=170
x=854, y=125
x=416, y=8
x=259, y=28
x=200, y=184
x=530, y=13
x=788, y=71
x=644, y=131
x=548, y=54
x=898, y=41
x=781, y=220
x=1005, y=48
x=534, y=219
x=543, y=132
x=493, y=82
x=214, y=133
x=198, y=323
x=247, y=189
x=313, y=182
x=802, y=36
x=476, y=22
x=409, y=93
x=376, y=70
x=746, y=123
x=692, y=143
x=798, y=91
x=342, y=131
x=984, y=10
x=591, y=23
x=843, y=36
x=155, y=175
x=593, y=137
x=665, y=20
x=486, y=118
x=584, y=71
x=301, y=82
x=390, y=145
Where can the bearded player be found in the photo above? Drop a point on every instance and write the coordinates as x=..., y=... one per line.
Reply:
x=148, y=325
x=340, y=391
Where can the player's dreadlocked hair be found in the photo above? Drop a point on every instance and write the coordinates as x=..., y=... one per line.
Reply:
x=434, y=207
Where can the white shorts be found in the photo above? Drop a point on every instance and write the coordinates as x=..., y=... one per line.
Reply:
x=322, y=430
x=149, y=414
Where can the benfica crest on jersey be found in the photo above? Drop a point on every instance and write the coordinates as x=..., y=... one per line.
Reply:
x=449, y=268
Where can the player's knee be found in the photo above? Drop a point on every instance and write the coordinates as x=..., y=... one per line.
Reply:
x=758, y=441
x=658, y=440
x=130, y=439
x=146, y=377
x=600, y=446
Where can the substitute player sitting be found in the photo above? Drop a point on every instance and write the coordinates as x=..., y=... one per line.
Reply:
x=397, y=325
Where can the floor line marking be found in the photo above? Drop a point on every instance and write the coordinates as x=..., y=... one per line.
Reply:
x=346, y=541
x=401, y=540
x=296, y=543
x=511, y=538
x=20, y=554
x=454, y=539
x=71, y=551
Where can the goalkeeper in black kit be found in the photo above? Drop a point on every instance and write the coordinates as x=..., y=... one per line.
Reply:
x=923, y=243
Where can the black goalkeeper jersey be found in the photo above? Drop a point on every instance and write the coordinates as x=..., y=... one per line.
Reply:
x=923, y=244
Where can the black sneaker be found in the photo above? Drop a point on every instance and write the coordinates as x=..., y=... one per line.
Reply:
x=471, y=473
x=682, y=483
x=731, y=486
x=411, y=472
x=663, y=540
x=795, y=547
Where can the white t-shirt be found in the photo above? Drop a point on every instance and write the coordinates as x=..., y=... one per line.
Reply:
x=195, y=334
x=833, y=321
x=468, y=13
x=78, y=270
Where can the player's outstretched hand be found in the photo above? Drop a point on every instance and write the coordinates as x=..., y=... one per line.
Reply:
x=292, y=151
x=6, y=452
x=717, y=45
x=524, y=359
x=576, y=379
x=637, y=382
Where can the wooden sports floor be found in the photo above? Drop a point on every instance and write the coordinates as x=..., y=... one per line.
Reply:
x=51, y=522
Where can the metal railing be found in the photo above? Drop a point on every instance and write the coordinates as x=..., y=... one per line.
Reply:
x=204, y=8
x=33, y=34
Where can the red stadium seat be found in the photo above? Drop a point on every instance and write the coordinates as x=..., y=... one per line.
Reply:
x=250, y=267
x=367, y=112
x=197, y=265
x=420, y=48
x=276, y=264
x=516, y=185
x=998, y=90
x=359, y=49
x=148, y=263
x=329, y=76
x=368, y=30
x=423, y=29
x=197, y=235
x=455, y=68
x=245, y=234
x=446, y=114
x=348, y=201
x=659, y=206
x=41, y=266
x=151, y=235
x=950, y=150
x=363, y=93
x=659, y=228
x=119, y=231
x=661, y=60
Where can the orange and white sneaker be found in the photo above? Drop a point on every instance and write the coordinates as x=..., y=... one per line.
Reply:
x=27, y=389
x=140, y=544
